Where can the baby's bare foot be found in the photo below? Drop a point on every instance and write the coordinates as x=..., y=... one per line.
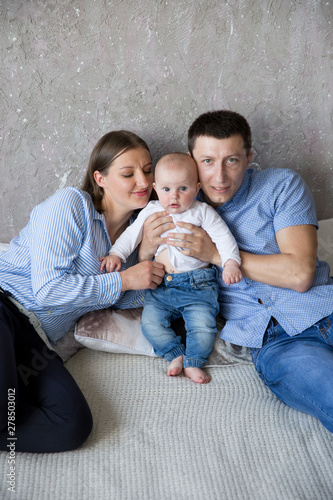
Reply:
x=197, y=375
x=175, y=367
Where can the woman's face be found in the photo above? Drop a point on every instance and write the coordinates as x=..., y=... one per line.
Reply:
x=128, y=182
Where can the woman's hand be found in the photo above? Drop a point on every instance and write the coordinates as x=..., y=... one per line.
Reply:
x=154, y=226
x=147, y=274
x=198, y=244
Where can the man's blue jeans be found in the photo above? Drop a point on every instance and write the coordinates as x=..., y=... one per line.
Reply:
x=299, y=369
x=193, y=296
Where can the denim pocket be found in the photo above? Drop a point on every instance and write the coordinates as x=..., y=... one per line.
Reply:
x=206, y=285
x=325, y=327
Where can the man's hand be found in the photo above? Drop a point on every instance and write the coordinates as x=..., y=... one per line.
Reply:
x=198, y=244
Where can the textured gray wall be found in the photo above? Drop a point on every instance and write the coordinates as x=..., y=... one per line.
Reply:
x=75, y=69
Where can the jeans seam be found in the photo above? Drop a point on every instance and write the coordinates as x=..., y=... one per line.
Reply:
x=329, y=417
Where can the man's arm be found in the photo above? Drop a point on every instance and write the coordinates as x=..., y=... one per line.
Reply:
x=293, y=268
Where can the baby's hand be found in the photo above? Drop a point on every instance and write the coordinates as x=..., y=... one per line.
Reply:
x=111, y=263
x=231, y=272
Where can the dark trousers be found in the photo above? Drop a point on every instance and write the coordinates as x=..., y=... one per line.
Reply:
x=42, y=408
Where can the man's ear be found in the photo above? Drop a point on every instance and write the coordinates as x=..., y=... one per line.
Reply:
x=198, y=188
x=249, y=158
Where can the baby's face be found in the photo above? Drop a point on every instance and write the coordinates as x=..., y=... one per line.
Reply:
x=176, y=186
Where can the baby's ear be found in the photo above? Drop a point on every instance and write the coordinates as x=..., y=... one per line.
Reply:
x=198, y=187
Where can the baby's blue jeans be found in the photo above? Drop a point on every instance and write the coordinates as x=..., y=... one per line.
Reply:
x=299, y=369
x=192, y=295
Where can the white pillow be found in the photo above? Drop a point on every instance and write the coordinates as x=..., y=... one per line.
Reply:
x=3, y=247
x=113, y=330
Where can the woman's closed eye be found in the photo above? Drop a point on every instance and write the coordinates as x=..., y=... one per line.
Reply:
x=145, y=172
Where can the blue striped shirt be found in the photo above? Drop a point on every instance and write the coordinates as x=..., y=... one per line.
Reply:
x=52, y=267
x=266, y=202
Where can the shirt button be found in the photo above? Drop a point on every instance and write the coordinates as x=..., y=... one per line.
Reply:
x=169, y=278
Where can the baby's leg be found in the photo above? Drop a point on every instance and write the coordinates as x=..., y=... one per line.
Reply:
x=156, y=321
x=200, y=322
x=175, y=367
x=197, y=375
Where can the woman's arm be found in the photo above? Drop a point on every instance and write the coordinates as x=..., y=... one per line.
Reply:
x=62, y=274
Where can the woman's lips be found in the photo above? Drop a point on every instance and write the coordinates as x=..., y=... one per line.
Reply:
x=141, y=193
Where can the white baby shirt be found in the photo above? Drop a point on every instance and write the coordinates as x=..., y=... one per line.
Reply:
x=199, y=214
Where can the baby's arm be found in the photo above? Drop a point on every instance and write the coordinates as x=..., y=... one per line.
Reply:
x=226, y=245
x=111, y=262
x=231, y=272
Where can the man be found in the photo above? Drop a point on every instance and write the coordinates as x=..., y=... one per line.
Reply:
x=282, y=308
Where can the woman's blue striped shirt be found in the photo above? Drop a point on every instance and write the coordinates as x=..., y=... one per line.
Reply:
x=52, y=267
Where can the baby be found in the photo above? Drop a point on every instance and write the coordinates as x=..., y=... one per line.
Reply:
x=189, y=288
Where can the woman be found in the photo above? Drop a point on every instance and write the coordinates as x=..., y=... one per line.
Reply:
x=52, y=270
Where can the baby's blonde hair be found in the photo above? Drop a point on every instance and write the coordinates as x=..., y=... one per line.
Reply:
x=170, y=159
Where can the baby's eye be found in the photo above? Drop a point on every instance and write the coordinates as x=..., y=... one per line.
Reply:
x=166, y=189
x=183, y=188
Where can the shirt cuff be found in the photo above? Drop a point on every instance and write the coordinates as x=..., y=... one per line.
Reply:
x=109, y=288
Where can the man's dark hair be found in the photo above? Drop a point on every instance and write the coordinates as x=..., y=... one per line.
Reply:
x=220, y=125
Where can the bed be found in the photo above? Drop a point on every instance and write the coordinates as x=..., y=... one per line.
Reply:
x=162, y=438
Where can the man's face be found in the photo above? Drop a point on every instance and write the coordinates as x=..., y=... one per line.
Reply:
x=222, y=164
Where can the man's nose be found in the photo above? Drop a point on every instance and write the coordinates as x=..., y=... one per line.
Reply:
x=220, y=174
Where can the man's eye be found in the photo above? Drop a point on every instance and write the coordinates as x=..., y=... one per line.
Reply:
x=208, y=161
x=127, y=175
x=232, y=160
x=147, y=172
